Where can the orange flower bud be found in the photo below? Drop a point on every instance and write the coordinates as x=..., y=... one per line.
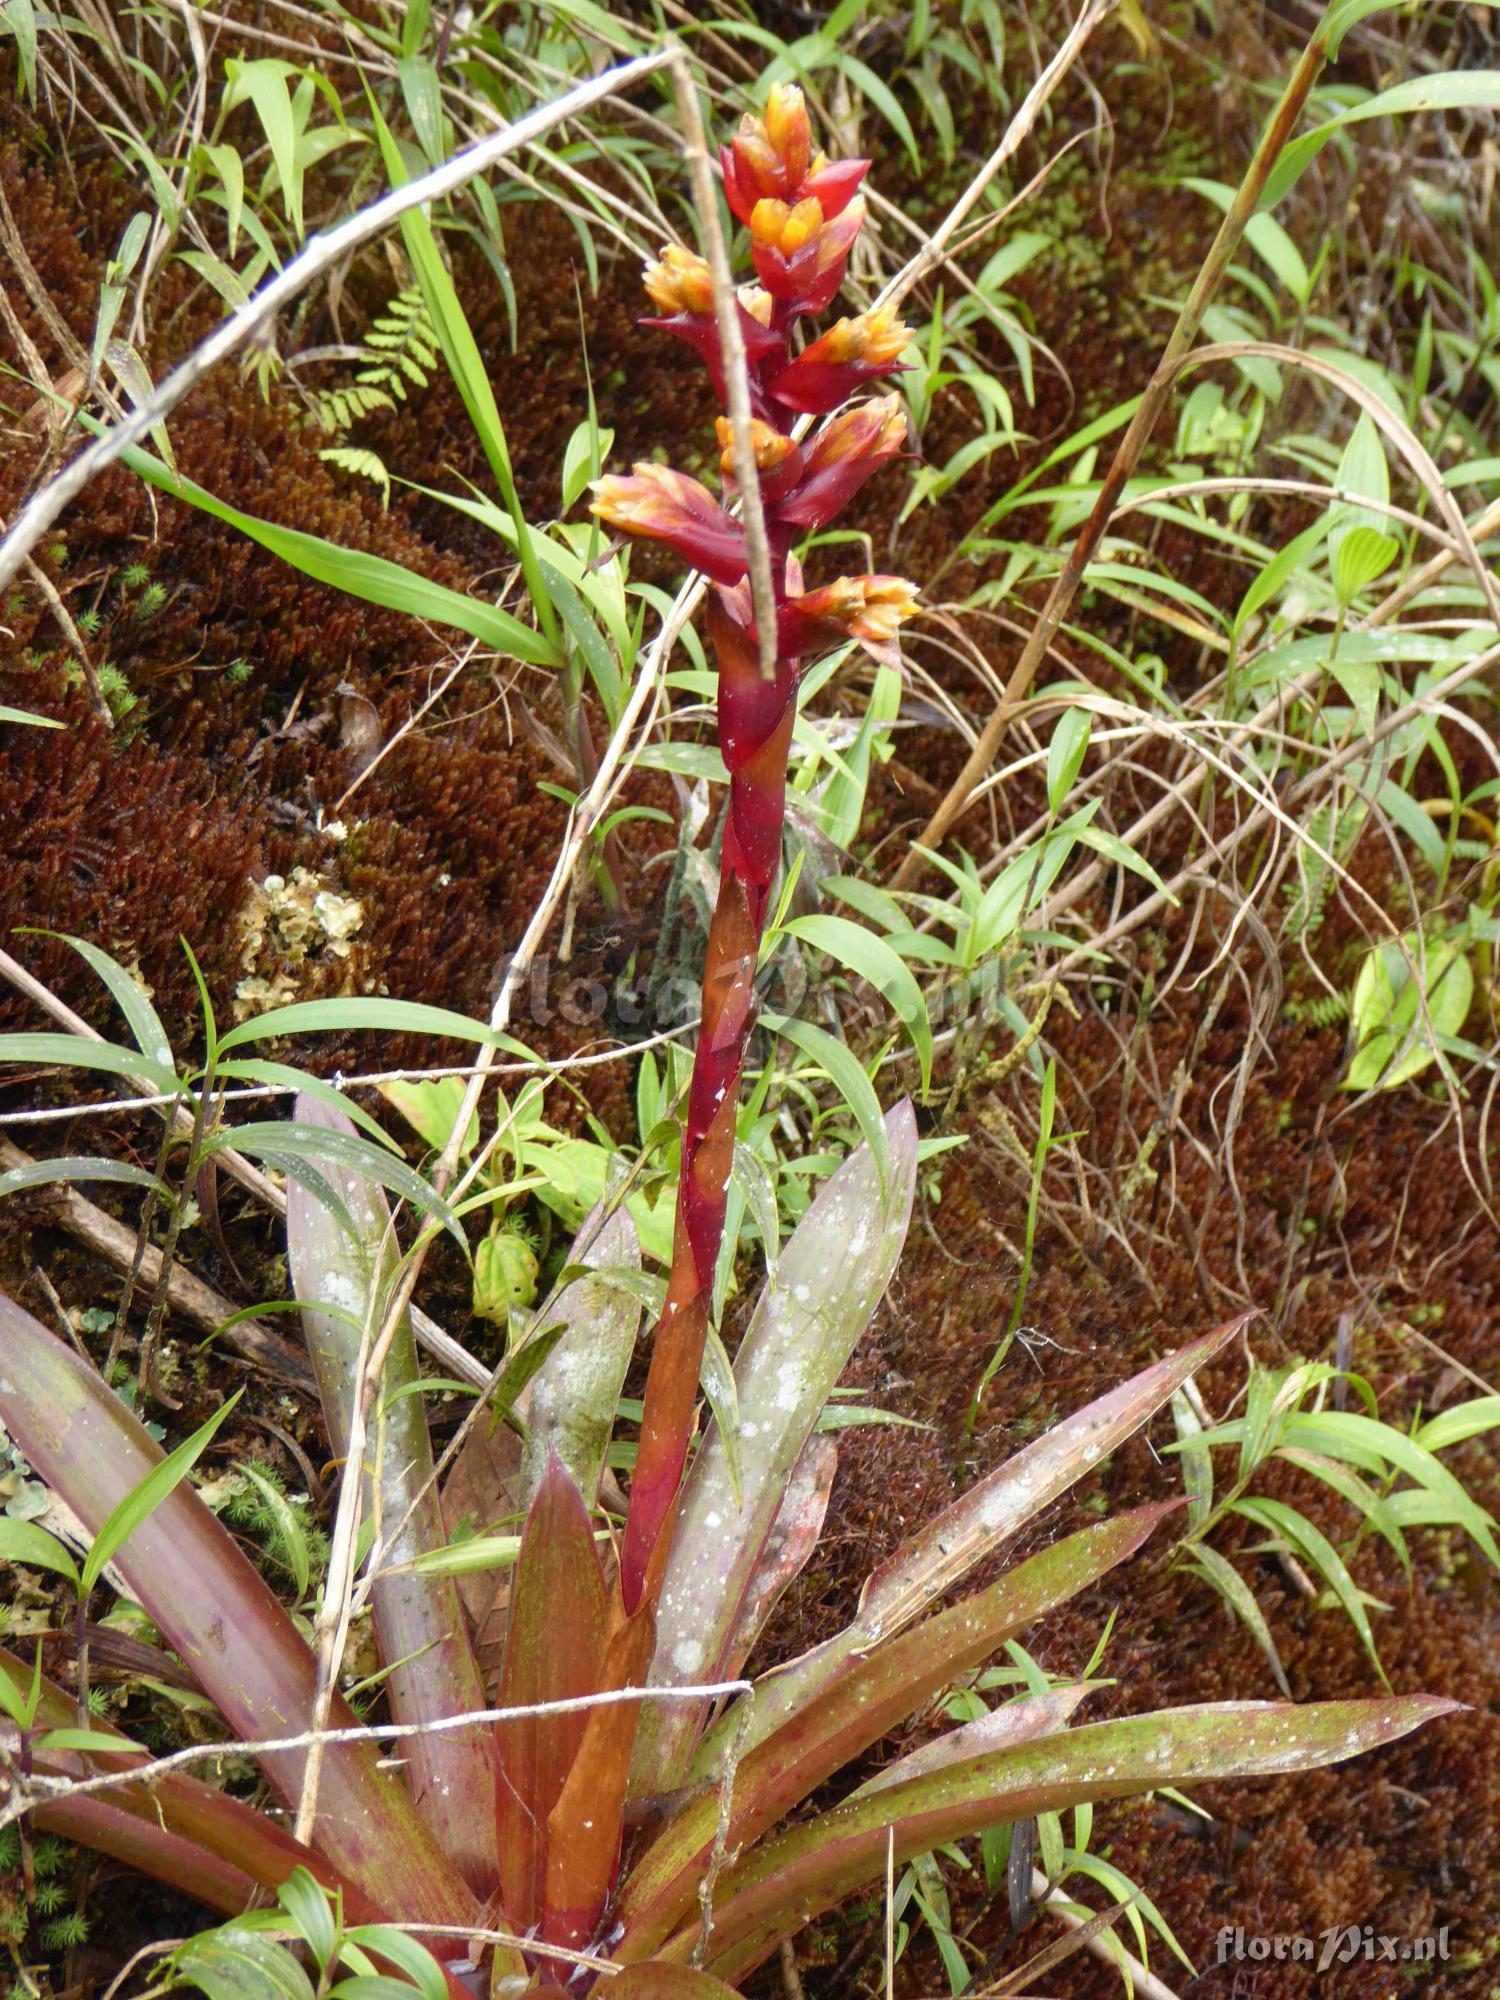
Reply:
x=681, y=282
x=875, y=338
x=772, y=447
x=871, y=608
x=876, y=429
x=786, y=127
x=667, y=506
x=774, y=226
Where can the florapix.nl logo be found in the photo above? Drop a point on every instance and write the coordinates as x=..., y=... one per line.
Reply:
x=1340, y=1944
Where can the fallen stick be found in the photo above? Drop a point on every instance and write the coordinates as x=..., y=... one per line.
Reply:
x=186, y=1294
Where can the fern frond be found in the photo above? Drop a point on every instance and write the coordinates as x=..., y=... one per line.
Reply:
x=363, y=464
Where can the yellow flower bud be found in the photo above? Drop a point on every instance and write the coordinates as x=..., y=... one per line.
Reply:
x=772, y=447
x=787, y=128
x=681, y=282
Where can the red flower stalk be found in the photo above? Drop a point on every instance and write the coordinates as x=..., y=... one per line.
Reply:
x=804, y=213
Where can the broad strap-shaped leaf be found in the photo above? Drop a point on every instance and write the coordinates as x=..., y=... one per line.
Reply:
x=219, y=1615
x=191, y=1835
x=419, y=1620
x=587, y=1823
x=570, y=1404
x=830, y=1278
x=929, y=1563
x=1022, y=1721
x=812, y=1867
x=147, y=1846
x=553, y=1652
x=867, y=1697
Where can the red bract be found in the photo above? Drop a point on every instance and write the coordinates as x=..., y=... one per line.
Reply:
x=842, y=457
x=804, y=214
x=666, y=506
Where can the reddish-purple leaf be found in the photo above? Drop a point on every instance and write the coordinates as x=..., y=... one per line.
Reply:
x=867, y=1697
x=186, y=1833
x=945, y=1549
x=221, y=1617
x=553, y=1652
x=1022, y=1721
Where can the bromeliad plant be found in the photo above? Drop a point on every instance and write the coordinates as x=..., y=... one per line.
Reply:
x=526, y=1827
x=653, y=1835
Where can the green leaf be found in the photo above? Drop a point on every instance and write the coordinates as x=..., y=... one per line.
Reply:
x=19, y=17
x=234, y=1963
x=869, y=1695
x=1299, y=1533
x=144, y=1499
x=1387, y=1015
x=472, y=380
x=279, y=1143
x=871, y=958
x=22, y=1708
x=1346, y=1482
x=1463, y=1420
x=409, y=1954
x=1065, y=754
x=38, y=1173
x=305, y=1901
x=423, y=92
x=93, y=1742
x=431, y=1109
x=1223, y=1577
x=1363, y=555
x=130, y=996
x=373, y=579
x=253, y=1070
x=844, y=1071
x=24, y=1542
x=25, y=716
x=80, y=1052
x=471, y=1557
x=264, y=84
x=1457, y=90
x=357, y=1016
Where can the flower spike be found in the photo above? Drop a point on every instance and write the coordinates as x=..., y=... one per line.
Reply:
x=803, y=213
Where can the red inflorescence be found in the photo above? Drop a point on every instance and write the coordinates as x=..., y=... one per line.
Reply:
x=803, y=212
